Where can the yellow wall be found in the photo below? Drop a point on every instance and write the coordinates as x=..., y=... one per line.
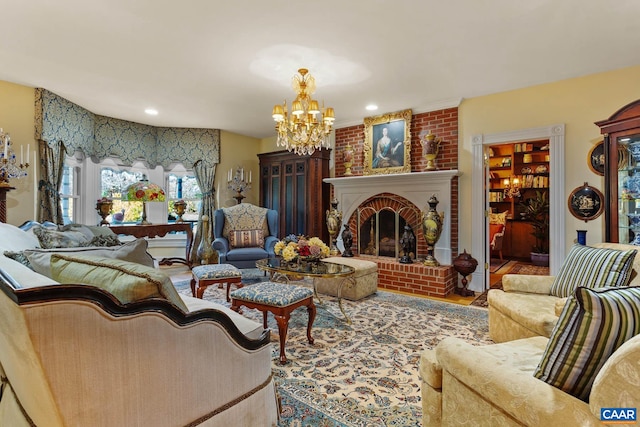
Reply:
x=237, y=151
x=577, y=103
x=17, y=112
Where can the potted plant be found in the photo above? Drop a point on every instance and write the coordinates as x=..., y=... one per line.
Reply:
x=536, y=210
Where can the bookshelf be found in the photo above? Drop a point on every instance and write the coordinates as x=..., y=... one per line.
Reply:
x=527, y=162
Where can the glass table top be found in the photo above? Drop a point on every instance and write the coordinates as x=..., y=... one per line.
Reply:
x=312, y=269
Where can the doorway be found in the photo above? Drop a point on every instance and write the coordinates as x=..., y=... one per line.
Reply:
x=480, y=197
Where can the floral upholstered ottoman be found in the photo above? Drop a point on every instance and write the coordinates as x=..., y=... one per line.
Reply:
x=280, y=299
x=210, y=274
x=366, y=279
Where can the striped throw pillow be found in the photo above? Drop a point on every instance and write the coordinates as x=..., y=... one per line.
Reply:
x=593, y=324
x=593, y=268
x=246, y=239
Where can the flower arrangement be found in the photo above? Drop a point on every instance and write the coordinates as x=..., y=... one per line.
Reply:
x=295, y=247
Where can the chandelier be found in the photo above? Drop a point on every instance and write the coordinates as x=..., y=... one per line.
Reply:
x=301, y=131
x=511, y=187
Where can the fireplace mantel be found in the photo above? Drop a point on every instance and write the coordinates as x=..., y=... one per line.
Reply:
x=417, y=187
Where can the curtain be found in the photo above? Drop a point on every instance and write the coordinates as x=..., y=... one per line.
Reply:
x=51, y=168
x=205, y=175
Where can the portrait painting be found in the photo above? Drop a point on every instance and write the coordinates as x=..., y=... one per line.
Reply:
x=387, y=145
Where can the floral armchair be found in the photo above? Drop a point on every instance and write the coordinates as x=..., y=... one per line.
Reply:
x=244, y=233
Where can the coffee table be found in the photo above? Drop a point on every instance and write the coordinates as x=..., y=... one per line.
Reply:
x=283, y=271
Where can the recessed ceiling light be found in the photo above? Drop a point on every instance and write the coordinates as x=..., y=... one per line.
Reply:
x=151, y=111
x=371, y=107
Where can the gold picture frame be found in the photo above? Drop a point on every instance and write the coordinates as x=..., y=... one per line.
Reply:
x=384, y=137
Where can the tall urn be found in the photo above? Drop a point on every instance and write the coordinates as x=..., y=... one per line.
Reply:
x=206, y=253
x=334, y=222
x=430, y=148
x=431, y=230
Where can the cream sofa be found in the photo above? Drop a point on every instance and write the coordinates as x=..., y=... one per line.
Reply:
x=524, y=307
x=493, y=385
x=76, y=355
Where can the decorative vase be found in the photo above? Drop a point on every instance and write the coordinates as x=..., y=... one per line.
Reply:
x=334, y=222
x=104, y=209
x=465, y=265
x=431, y=230
x=206, y=254
x=582, y=237
x=348, y=159
x=180, y=206
x=347, y=241
x=430, y=149
x=407, y=241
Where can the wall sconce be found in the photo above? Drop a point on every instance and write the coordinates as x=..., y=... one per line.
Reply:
x=9, y=166
x=237, y=183
x=511, y=187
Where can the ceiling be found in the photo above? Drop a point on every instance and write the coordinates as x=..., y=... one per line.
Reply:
x=223, y=65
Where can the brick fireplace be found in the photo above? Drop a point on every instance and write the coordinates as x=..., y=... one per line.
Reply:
x=361, y=198
x=413, y=188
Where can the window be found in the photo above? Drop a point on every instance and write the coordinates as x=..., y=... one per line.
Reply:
x=69, y=194
x=113, y=182
x=186, y=188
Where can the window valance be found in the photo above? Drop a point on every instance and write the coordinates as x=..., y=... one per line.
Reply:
x=58, y=119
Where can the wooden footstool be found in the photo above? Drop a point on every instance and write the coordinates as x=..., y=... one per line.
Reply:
x=280, y=299
x=211, y=274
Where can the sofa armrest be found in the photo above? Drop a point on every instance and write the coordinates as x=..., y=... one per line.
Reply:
x=513, y=390
x=527, y=283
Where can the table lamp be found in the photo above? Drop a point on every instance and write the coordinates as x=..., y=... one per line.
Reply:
x=144, y=191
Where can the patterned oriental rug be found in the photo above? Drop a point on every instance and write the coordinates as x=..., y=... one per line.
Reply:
x=366, y=373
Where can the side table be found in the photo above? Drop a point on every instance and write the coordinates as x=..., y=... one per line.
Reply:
x=159, y=230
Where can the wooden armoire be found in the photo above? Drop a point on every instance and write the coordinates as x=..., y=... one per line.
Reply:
x=292, y=185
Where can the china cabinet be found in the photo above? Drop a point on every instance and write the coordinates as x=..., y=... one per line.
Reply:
x=292, y=185
x=622, y=174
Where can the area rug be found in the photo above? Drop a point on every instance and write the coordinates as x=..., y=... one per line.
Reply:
x=364, y=373
x=529, y=269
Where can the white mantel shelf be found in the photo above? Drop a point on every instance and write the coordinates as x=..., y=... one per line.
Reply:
x=417, y=187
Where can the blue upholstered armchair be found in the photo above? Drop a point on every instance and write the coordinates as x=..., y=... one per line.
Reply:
x=244, y=233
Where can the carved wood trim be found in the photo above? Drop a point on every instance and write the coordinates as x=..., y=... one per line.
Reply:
x=109, y=304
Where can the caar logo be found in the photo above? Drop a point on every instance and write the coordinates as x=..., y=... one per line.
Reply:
x=618, y=415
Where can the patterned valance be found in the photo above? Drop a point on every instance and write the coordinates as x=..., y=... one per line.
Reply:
x=58, y=119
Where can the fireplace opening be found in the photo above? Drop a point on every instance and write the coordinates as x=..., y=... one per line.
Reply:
x=381, y=230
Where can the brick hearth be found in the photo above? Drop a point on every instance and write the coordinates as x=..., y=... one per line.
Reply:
x=414, y=278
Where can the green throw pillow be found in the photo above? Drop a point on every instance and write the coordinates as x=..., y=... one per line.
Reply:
x=593, y=324
x=127, y=281
x=593, y=268
x=134, y=251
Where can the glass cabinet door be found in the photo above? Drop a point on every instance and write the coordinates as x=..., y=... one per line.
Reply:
x=622, y=174
x=629, y=189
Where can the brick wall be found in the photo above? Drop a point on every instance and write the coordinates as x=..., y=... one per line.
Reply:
x=413, y=278
x=442, y=123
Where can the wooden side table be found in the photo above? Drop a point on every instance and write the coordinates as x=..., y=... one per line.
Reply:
x=159, y=230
